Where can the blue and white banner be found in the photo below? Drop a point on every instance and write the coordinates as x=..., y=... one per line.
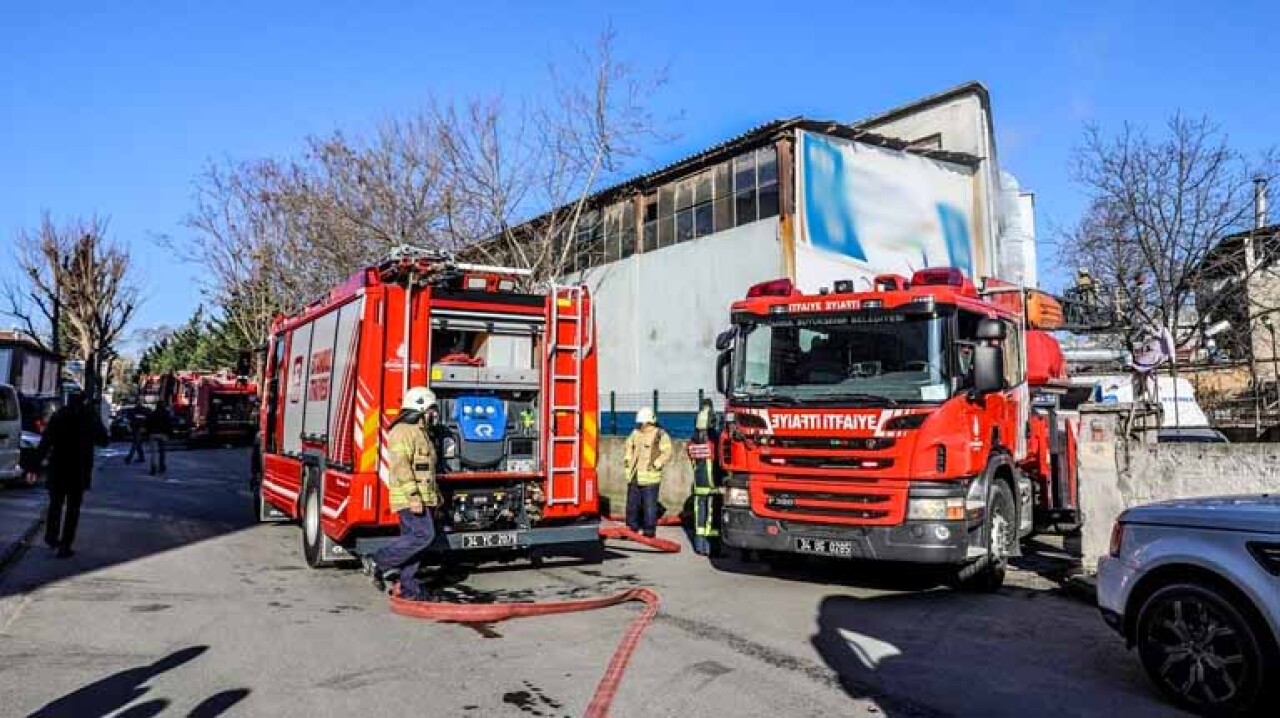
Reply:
x=866, y=210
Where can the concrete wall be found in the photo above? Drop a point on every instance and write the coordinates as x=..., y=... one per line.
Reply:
x=658, y=314
x=1116, y=474
x=677, y=480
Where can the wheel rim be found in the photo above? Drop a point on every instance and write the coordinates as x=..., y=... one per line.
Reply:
x=312, y=519
x=1198, y=653
x=999, y=533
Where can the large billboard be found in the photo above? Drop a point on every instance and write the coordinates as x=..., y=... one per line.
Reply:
x=864, y=210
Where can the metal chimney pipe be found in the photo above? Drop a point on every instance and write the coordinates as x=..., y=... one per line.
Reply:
x=1259, y=202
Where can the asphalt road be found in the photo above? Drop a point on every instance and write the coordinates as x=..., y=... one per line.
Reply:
x=176, y=604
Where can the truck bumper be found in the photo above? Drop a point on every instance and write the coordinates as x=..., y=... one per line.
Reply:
x=934, y=542
x=546, y=539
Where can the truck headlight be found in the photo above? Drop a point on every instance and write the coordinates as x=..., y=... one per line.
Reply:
x=935, y=509
x=734, y=496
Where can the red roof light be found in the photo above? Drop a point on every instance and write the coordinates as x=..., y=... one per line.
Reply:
x=775, y=288
x=946, y=276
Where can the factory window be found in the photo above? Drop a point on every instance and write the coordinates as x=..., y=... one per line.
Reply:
x=755, y=186
x=727, y=195
x=588, y=246
x=650, y=222
x=619, y=231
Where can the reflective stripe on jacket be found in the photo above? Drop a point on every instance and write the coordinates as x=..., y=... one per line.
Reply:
x=412, y=459
x=647, y=452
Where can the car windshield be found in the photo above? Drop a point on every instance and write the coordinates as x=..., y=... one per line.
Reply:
x=852, y=359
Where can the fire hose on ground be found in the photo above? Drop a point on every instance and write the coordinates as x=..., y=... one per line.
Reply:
x=607, y=688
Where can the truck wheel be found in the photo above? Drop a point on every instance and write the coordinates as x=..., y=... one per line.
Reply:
x=1200, y=648
x=987, y=573
x=312, y=534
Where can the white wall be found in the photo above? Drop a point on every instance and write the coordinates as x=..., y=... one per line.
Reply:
x=658, y=314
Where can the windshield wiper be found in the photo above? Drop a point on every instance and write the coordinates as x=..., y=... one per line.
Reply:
x=768, y=397
x=857, y=396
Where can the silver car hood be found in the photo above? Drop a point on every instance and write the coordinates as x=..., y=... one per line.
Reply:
x=1257, y=513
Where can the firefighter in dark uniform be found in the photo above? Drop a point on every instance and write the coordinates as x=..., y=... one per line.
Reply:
x=413, y=492
x=706, y=492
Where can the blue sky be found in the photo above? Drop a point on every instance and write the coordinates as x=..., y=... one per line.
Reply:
x=114, y=107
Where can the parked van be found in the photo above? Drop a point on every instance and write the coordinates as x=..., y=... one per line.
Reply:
x=1177, y=397
x=10, y=434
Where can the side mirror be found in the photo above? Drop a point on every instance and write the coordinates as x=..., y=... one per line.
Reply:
x=991, y=330
x=724, y=340
x=988, y=369
x=724, y=365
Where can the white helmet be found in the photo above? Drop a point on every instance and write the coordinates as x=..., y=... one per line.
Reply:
x=419, y=399
x=645, y=416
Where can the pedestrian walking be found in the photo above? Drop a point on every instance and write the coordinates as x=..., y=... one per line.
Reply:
x=648, y=449
x=67, y=443
x=413, y=492
x=137, y=417
x=706, y=504
x=159, y=427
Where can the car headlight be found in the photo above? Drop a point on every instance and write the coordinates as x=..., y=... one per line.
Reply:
x=935, y=509
x=734, y=496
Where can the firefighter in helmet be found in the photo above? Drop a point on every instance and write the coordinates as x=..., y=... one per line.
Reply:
x=647, y=452
x=701, y=451
x=413, y=491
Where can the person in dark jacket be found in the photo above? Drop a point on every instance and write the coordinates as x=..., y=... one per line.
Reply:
x=137, y=433
x=68, y=443
x=159, y=427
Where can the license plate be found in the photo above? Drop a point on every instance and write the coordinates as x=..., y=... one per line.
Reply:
x=497, y=539
x=523, y=466
x=825, y=547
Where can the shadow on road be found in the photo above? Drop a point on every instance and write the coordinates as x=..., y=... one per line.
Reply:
x=128, y=515
x=108, y=695
x=944, y=653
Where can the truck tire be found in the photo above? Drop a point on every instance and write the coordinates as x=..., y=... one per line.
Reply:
x=986, y=574
x=313, y=538
x=1227, y=675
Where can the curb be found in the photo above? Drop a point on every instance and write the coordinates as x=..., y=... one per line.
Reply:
x=9, y=554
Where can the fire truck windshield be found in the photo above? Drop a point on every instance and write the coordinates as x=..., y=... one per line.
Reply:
x=892, y=359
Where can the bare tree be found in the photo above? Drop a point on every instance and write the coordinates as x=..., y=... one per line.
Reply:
x=505, y=162
x=457, y=176
x=76, y=283
x=1157, y=209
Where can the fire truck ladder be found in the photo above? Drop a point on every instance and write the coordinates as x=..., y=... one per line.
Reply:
x=569, y=340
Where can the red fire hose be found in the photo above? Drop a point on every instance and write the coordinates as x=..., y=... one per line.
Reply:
x=607, y=688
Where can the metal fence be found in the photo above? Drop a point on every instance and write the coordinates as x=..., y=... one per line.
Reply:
x=676, y=411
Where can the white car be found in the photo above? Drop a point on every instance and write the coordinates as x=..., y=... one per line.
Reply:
x=1195, y=585
x=10, y=434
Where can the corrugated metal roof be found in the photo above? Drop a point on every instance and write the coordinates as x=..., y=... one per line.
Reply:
x=759, y=136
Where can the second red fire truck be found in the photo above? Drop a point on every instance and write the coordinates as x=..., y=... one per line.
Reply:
x=917, y=422
x=515, y=376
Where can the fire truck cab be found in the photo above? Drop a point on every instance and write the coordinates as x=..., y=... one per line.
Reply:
x=515, y=378
x=892, y=424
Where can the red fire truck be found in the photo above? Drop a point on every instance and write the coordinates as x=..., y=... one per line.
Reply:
x=223, y=409
x=177, y=390
x=515, y=376
x=917, y=422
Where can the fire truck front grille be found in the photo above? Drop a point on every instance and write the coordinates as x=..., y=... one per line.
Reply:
x=829, y=462
x=873, y=443
x=796, y=503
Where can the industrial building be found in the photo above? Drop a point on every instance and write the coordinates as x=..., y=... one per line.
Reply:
x=665, y=253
